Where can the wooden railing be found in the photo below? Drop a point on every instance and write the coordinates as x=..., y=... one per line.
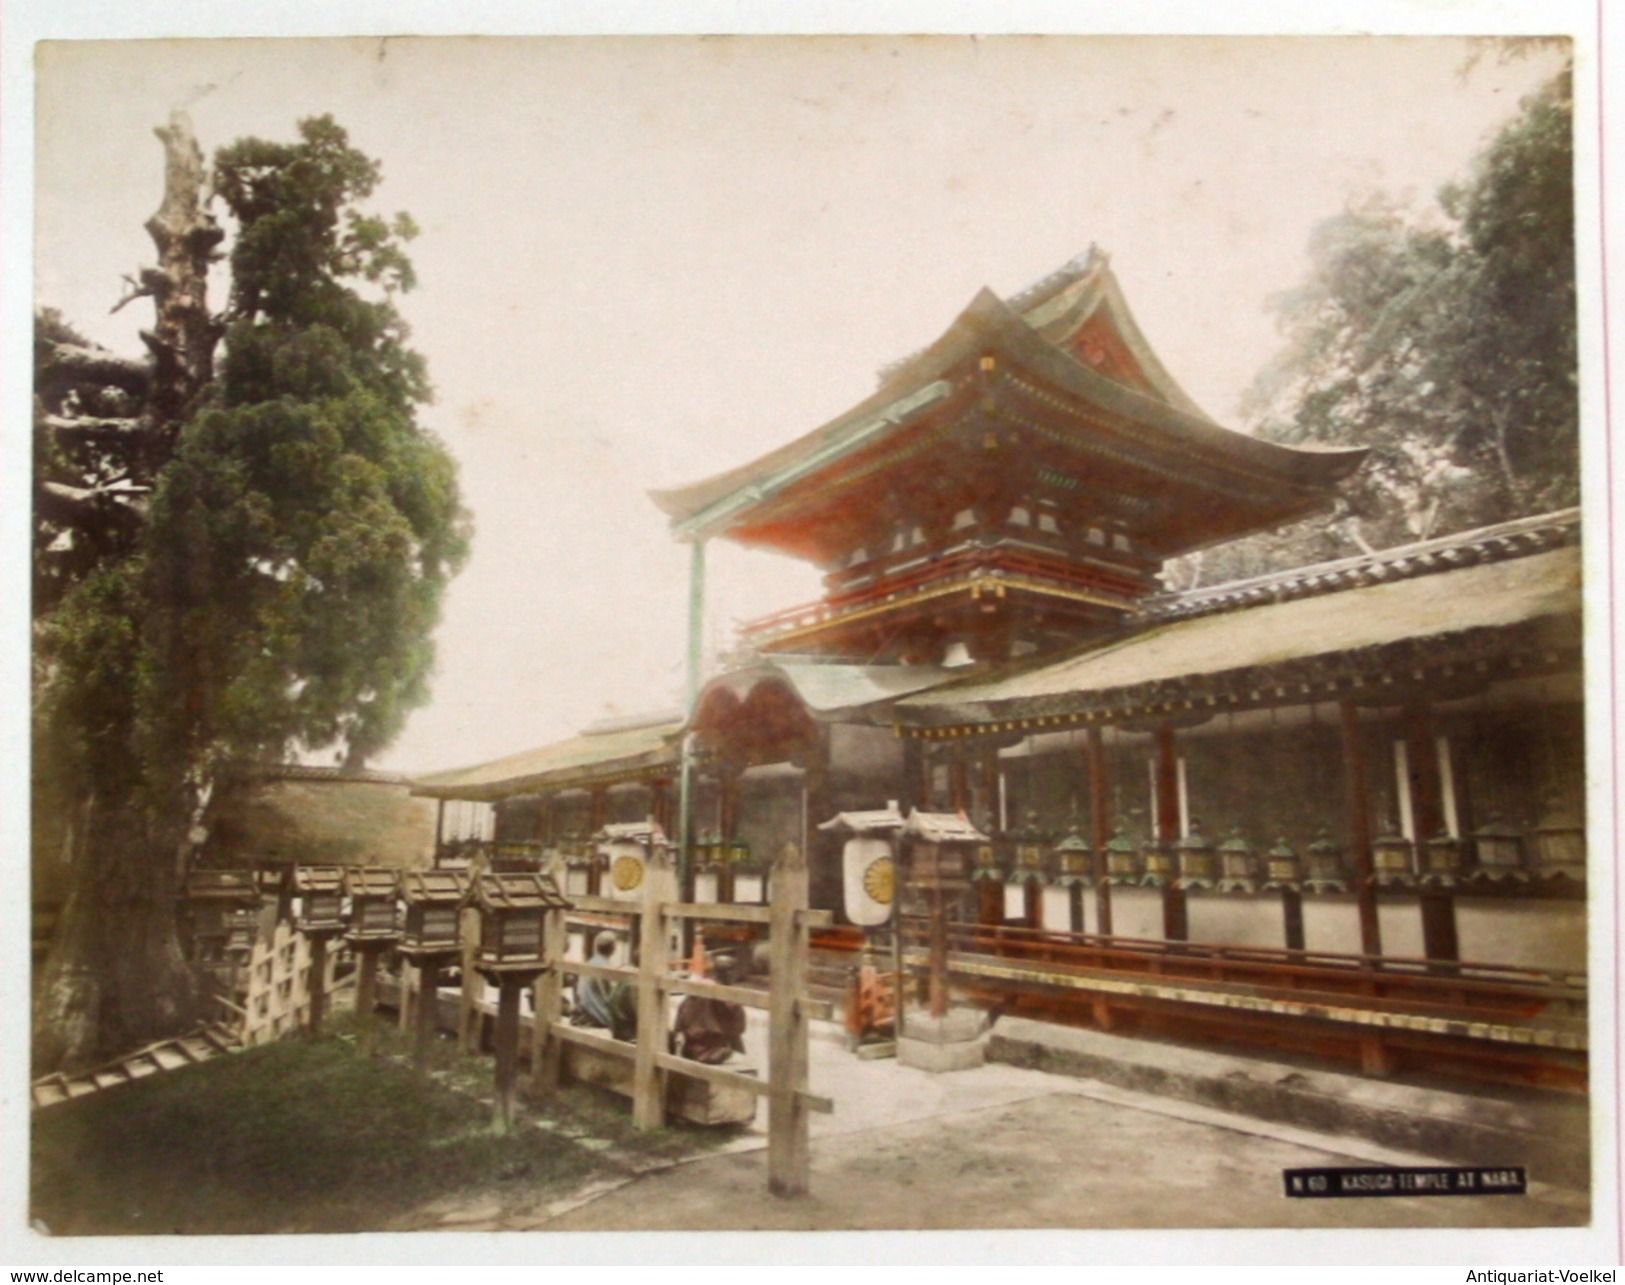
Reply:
x=1519, y=1024
x=788, y=920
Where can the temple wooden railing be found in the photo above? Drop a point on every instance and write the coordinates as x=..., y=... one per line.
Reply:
x=1485, y=1020
x=788, y=920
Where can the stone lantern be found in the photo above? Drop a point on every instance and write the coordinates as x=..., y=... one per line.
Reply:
x=1238, y=870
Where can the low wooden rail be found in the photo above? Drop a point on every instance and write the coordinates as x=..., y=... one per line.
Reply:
x=789, y=1010
x=1491, y=1021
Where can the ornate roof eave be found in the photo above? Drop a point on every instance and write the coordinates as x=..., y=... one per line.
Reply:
x=1526, y=621
x=1391, y=674
x=716, y=505
x=831, y=691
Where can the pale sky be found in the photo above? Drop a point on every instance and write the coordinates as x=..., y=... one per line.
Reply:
x=644, y=260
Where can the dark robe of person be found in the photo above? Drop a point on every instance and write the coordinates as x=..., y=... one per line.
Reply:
x=708, y=1030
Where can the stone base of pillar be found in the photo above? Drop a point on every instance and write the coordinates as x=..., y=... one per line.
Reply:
x=953, y=1042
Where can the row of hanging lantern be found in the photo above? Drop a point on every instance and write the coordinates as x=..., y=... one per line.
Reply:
x=1493, y=854
x=713, y=852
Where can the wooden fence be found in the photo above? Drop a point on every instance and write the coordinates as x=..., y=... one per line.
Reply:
x=655, y=920
x=280, y=985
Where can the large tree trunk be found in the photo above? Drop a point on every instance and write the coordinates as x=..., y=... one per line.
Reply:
x=115, y=977
x=184, y=335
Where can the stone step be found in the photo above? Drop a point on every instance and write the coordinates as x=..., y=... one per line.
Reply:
x=1547, y=1133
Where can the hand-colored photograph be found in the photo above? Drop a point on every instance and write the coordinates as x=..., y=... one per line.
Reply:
x=812, y=633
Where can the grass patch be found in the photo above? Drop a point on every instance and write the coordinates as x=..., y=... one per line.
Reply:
x=307, y=1136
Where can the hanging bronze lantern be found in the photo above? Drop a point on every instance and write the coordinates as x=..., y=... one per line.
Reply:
x=1326, y=865
x=1198, y=867
x=1238, y=869
x=1558, y=844
x=989, y=864
x=1282, y=869
x=1499, y=849
x=1443, y=857
x=1072, y=861
x=1031, y=849
x=1122, y=858
x=1393, y=860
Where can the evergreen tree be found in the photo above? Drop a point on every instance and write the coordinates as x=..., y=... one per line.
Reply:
x=1446, y=343
x=297, y=527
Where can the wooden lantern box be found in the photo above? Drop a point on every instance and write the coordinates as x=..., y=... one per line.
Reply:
x=512, y=909
x=434, y=900
x=219, y=908
x=320, y=890
x=942, y=848
x=374, y=891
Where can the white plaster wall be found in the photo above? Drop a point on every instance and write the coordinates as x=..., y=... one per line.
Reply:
x=1526, y=932
x=1331, y=923
x=1058, y=909
x=1137, y=912
x=1236, y=919
x=1399, y=919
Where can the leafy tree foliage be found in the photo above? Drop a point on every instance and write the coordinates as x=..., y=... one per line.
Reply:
x=1446, y=343
x=296, y=530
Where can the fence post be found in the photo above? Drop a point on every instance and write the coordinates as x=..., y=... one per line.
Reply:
x=469, y=1018
x=316, y=984
x=787, y=1032
x=427, y=1015
x=548, y=1007
x=506, y=1039
x=648, y=1080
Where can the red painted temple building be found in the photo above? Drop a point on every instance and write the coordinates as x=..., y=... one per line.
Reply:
x=1376, y=759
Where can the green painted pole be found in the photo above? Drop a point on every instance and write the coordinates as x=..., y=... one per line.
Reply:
x=696, y=639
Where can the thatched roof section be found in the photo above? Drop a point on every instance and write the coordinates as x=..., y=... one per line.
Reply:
x=319, y=820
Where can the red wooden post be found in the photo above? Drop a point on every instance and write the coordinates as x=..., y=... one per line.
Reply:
x=1365, y=888
x=1175, y=919
x=1100, y=832
x=1439, y=938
